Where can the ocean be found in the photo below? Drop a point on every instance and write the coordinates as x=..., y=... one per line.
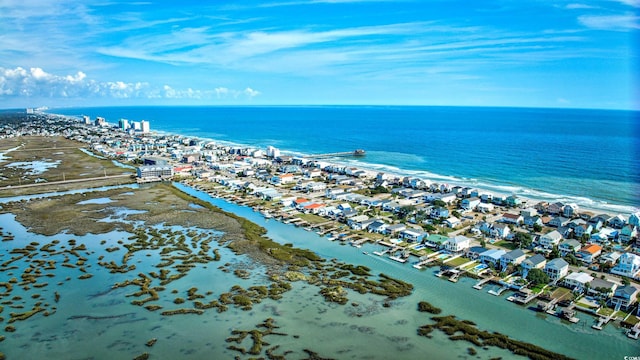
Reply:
x=587, y=157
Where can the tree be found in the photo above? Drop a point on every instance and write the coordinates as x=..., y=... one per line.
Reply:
x=537, y=227
x=522, y=240
x=537, y=277
x=555, y=253
x=625, y=281
x=440, y=203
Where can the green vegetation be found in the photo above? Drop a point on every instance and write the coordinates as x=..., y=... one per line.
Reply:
x=424, y=306
x=537, y=277
x=467, y=331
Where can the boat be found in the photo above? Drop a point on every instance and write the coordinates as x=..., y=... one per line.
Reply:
x=366, y=253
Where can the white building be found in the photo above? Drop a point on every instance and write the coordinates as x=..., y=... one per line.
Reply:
x=144, y=126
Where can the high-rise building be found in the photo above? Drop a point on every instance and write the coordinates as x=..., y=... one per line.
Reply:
x=123, y=124
x=100, y=121
x=144, y=126
x=136, y=125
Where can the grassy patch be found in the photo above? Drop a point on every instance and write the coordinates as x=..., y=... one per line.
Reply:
x=312, y=218
x=458, y=261
x=506, y=244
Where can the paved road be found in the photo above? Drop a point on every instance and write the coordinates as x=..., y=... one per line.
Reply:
x=65, y=181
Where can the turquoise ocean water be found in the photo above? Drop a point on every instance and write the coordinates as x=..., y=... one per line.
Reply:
x=589, y=157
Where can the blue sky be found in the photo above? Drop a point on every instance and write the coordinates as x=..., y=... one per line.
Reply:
x=576, y=54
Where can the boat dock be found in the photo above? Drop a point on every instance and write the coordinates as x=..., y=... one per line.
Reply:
x=481, y=283
x=523, y=297
x=499, y=292
x=634, y=332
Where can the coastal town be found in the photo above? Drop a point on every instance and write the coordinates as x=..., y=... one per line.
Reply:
x=557, y=256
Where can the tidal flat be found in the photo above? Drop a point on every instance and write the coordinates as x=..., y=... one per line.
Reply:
x=161, y=259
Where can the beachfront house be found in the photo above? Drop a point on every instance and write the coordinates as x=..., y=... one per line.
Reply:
x=634, y=219
x=589, y=253
x=617, y=222
x=624, y=297
x=570, y=210
x=492, y=257
x=458, y=244
x=514, y=257
x=628, y=265
x=536, y=261
x=549, y=240
x=556, y=269
x=569, y=246
x=582, y=229
x=435, y=241
x=577, y=281
x=598, y=221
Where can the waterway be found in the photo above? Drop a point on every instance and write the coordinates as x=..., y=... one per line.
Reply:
x=489, y=312
x=93, y=321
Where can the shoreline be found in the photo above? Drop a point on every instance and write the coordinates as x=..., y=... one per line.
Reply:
x=587, y=202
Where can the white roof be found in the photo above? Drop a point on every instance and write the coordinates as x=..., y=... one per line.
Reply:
x=580, y=277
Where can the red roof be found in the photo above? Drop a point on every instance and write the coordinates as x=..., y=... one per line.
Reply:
x=301, y=200
x=592, y=249
x=314, y=206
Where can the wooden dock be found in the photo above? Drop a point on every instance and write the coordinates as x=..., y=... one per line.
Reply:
x=481, y=283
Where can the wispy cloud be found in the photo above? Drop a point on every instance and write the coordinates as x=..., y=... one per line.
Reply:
x=37, y=83
x=624, y=22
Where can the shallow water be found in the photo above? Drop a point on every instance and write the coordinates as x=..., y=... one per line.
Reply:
x=94, y=321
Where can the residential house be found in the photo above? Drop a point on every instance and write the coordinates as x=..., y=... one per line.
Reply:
x=469, y=203
x=624, y=297
x=589, y=253
x=556, y=269
x=628, y=233
x=412, y=235
x=628, y=265
x=484, y=208
x=438, y=212
x=395, y=229
x=509, y=218
x=282, y=179
x=577, y=281
x=634, y=219
x=529, y=212
x=565, y=231
x=359, y=222
x=605, y=235
x=536, y=261
x=452, y=222
x=555, y=208
x=378, y=226
x=501, y=231
x=475, y=252
x=492, y=256
x=569, y=246
x=435, y=241
x=582, y=229
x=610, y=258
x=597, y=221
x=559, y=221
x=601, y=288
x=514, y=257
x=530, y=221
x=617, y=222
x=457, y=244
x=549, y=240
x=570, y=210
x=513, y=201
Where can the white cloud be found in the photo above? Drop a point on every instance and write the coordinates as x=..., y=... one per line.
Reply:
x=579, y=6
x=624, y=22
x=634, y=3
x=37, y=83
